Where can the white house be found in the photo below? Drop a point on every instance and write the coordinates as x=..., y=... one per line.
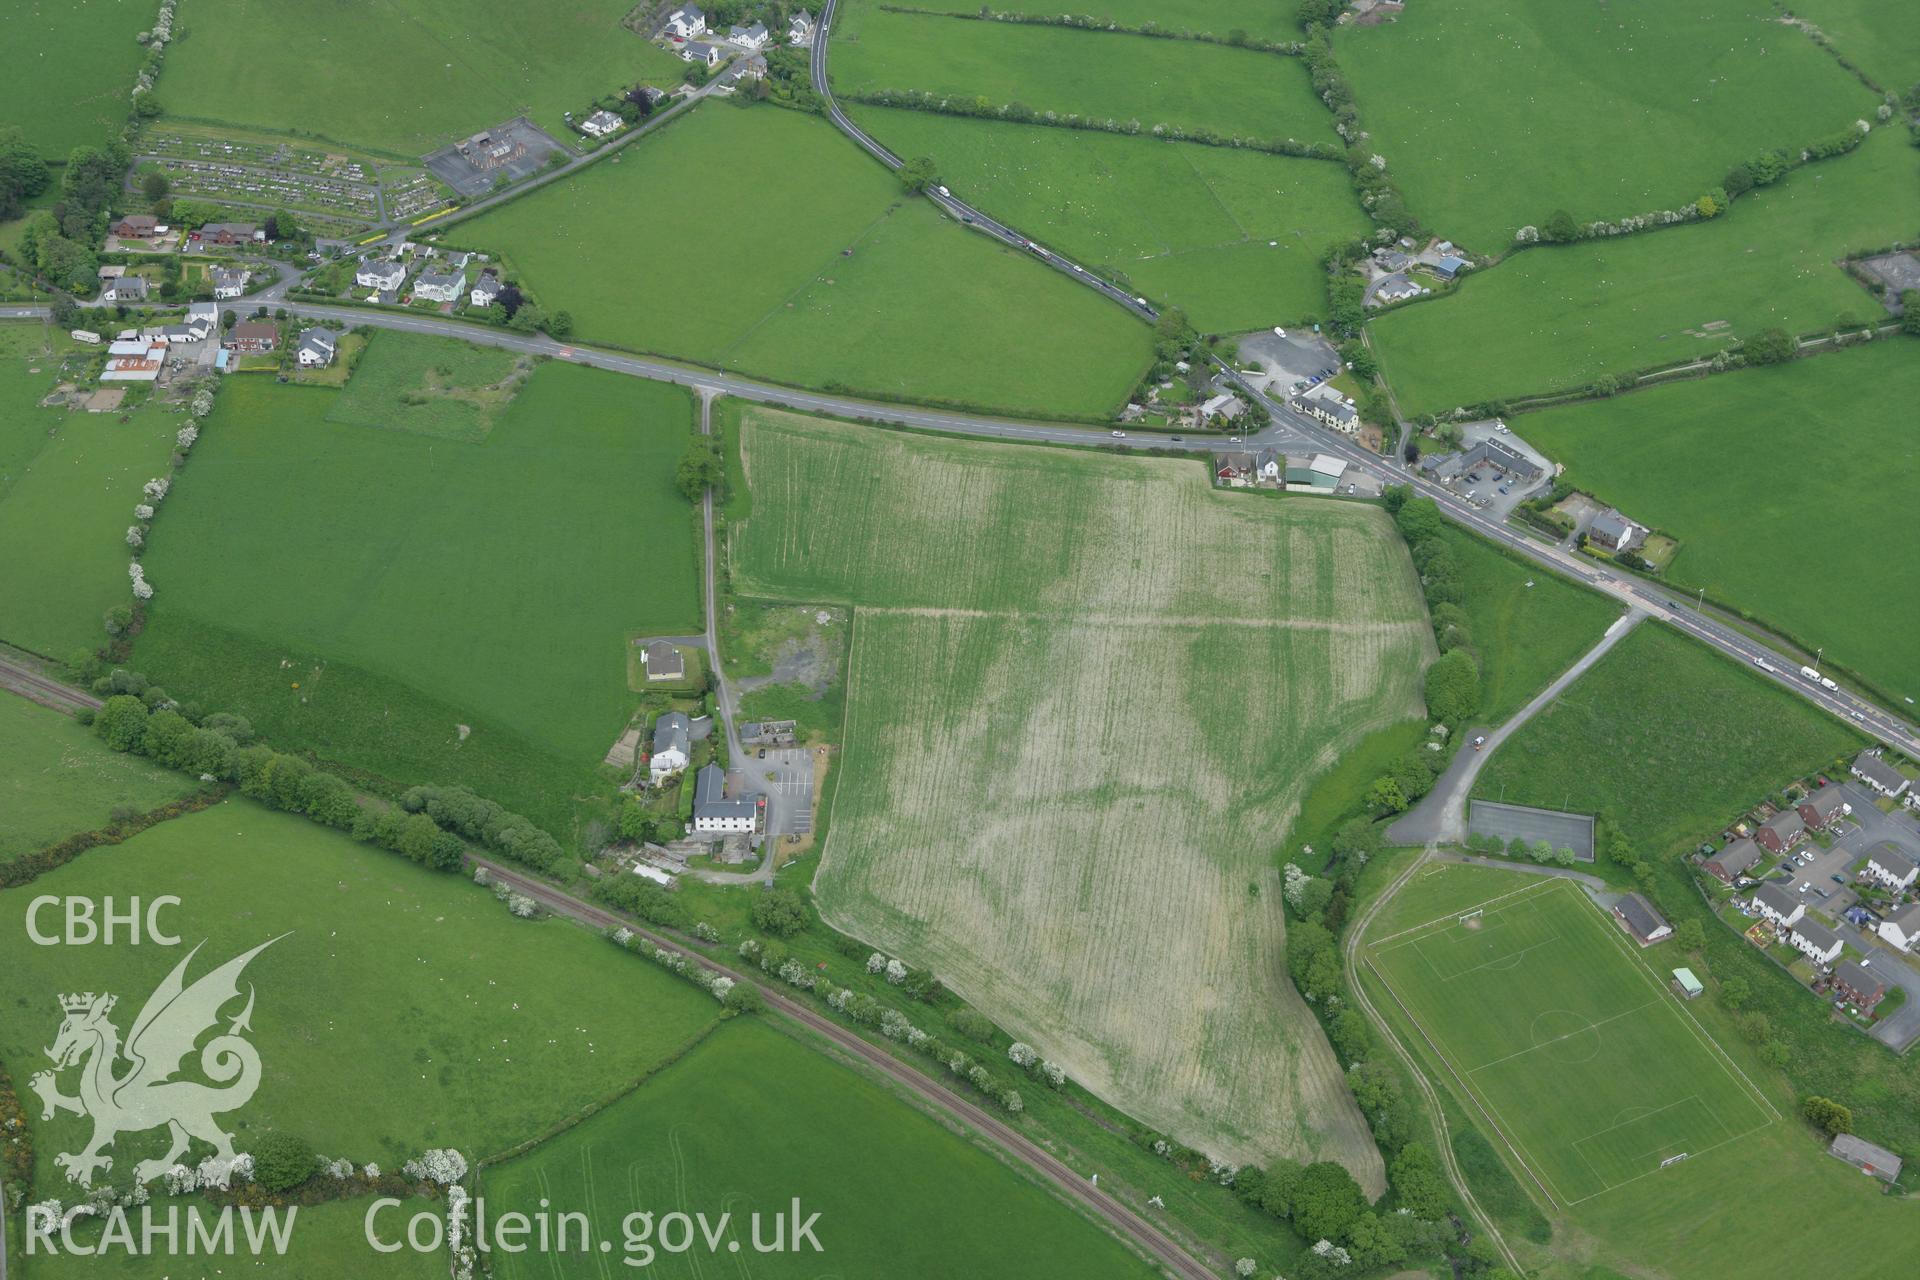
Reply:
x=1328, y=405
x=431, y=286
x=315, y=349
x=686, y=23
x=707, y=55
x=1817, y=942
x=672, y=740
x=1892, y=867
x=713, y=813
x=230, y=284
x=1902, y=927
x=203, y=313
x=1269, y=467
x=1878, y=774
x=484, y=291
x=1224, y=405
x=1777, y=905
x=800, y=28
x=753, y=38
x=600, y=124
x=125, y=289
x=381, y=276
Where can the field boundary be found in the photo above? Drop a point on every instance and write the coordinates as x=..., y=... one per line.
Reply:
x=1462, y=1075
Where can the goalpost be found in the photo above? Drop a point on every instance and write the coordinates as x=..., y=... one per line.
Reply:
x=1675, y=1159
x=1474, y=914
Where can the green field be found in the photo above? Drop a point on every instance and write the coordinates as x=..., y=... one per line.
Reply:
x=402, y=1009
x=1233, y=237
x=840, y=281
x=1038, y=636
x=1202, y=17
x=57, y=779
x=425, y=608
x=1558, y=317
x=71, y=483
x=1570, y=1045
x=1662, y=456
x=438, y=69
x=1525, y=635
x=1103, y=76
x=70, y=78
x=1495, y=113
x=411, y=382
x=1881, y=39
x=1683, y=755
x=803, y=1127
x=1669, y=1222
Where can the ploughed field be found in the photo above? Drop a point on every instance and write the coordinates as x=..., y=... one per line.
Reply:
x=1086, y=697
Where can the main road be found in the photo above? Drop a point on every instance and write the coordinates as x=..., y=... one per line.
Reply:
x=1289, y=427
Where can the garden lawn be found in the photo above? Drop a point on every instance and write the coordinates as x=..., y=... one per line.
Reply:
x=1016, y=612
x=1663, y=455
x=399, y=1008
x=57, y=779
x=70, y=484
x=1558, y=317
x=428, y=609
x=439, y=69
x=327, y=1241
x=1494, y=113
x=1882, y=39
x=1101, y=75
x=826, y=1136
x=1525, y=636
x=1233, y=237
x=842, y=281
x=71, y=70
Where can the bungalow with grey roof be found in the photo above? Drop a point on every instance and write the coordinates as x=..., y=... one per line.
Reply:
x=1733, y=861
x=1873, y=770
x=707, y=55
x=663, y=661
x=484, y=290
x=1637, y=916
x=800, y=28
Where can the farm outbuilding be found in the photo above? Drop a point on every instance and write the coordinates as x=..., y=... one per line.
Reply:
x=1866, y=1157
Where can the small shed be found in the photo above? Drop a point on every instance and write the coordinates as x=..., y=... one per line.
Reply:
x=1866, y=1157
x=1686, y=984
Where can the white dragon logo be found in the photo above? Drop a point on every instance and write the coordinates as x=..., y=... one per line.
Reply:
x=146, y=1096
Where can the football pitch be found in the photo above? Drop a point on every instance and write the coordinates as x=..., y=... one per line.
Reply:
x=1580, y=1057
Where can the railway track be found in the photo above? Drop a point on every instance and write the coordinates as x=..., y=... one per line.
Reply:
x=16, y=677
x=1148, y=1238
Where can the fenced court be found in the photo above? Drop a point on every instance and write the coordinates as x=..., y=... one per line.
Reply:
x=1524, y=822
x=1567, y=1042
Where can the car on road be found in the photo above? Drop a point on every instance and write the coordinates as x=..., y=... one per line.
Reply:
x=1278, y=332
x=943, y=191
x=762, y=754
x=1479, y=741
x=1233, y=439
x=1179, y=440
x=1119, y=435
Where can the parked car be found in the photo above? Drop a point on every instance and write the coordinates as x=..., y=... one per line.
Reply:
x=1838, y=879
x=1479, y=741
